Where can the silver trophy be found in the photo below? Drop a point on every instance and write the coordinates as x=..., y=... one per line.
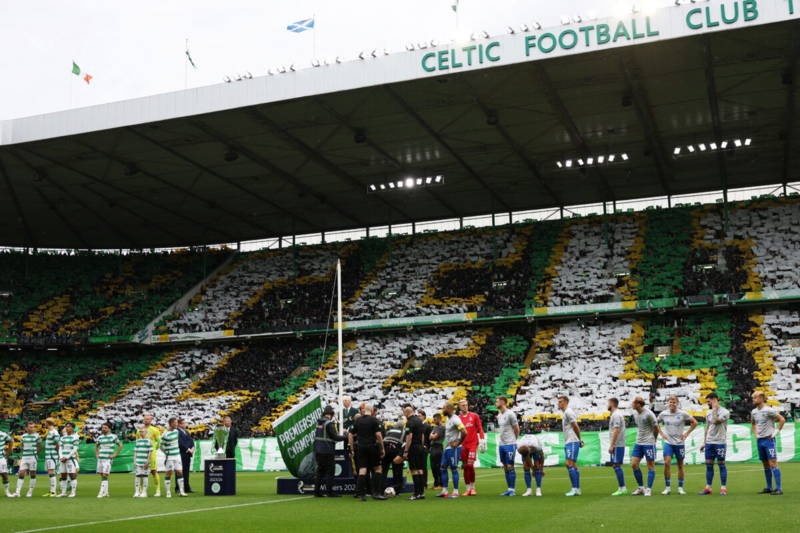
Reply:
x=220, y=440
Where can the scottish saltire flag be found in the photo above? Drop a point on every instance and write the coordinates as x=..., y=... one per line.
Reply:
x=301, y=25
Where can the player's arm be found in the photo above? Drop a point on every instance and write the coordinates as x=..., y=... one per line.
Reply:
x=379, y=438
x=515, y=427
x=462, y=432
x=481, y=434
x=96, y=450
x=350, y=441
x=753, y=426
x=781, y=421
x=692, y=427
x=705, y=433
x=659, y=430
x=119, y=449
x=40, y=447
x=407, y=444
x=614, y=434
x=575, y=427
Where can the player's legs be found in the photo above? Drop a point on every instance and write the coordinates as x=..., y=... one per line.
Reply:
x=636, y=459
x=454, y=470
x=650, y=457
x=179, y=482
x=50, y=466
x=20, y=479
x=668, y=453
x=527, y=466
x=443, y=471
x=168, y=468
x=571, y=450
x=680, y=455
x=154, y=473
x=32, y=480
x=507, y=456
x=73, y=483
x=468, y=457
x=768, y=454
x=617, y=457
x=538, y=470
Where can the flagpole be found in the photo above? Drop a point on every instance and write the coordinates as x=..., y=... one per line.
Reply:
x=339, y=335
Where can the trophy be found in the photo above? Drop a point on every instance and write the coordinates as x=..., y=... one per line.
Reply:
x=220, y=440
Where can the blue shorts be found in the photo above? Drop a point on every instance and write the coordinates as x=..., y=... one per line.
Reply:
x=507, y=454
x=715, y=451
x=451, y=456
x=618, y=455
x=571, y=450
x=677, y=450
x=766, y=449
x=648, y=451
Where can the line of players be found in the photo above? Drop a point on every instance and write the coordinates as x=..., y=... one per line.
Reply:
x=463, y=436
x=62, y=459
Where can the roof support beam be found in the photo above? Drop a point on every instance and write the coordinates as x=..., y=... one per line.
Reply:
x=344, y=121
x=572, y=130
x=275, y=171
x=449, y=149
x=319, y=159
x=791, y=104
x=121, y=191
x=644, y=112
x=183, y=190
x=130, y=240
x=716, y=123
x=30, y=239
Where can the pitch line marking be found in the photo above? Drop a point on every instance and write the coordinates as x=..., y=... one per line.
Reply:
x=187, y=511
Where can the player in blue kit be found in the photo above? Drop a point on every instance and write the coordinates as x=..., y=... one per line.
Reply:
x=715, y=444
x=507, y=441
x=763, y=418
x=572, y=444
x=672, y=428
x=645, y=447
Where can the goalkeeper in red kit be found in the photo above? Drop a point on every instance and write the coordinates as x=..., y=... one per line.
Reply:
x=469, y=448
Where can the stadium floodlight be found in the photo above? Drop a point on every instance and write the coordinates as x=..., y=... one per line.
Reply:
x=577, y=18
x=601, y=159
x=338, y=59
x=624, y=156
x=524, y=28
x=690, y=148
x=559, y=164
x=374, y=53
x=226, y=79
x=712, y=145
x=676, y=150
x=580, y=161
x=568, y=163
x=410, y=47
x=612, y=158
x=537, y=25
x=485, y=34
x=723, y=144
x=590, y=160
x=434, y=43
x=291, y=67
x=409, y=182
x=748, y=141
x=248, y=75
x=510, y=30
x=737, y=143
x=238, y=77
x=282, y=69
x=428, y=180
x=565, y=20
x=361, y=55
x=419, y=181
x=439, y=178
x=702, y=147
x=372, y=187
x=315, y=63
x=400, y=183
x=383, y=187
x=391, y=185
x=270, y=72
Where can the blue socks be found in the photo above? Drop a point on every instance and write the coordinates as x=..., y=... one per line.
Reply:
x=638, y=475
x=538, y=475
x=574, y=476
x=768, y=475
x=455, y=478
x=444, y=477
x=709, y=473
x=527, y=476
x=680, y=483
x=776, y=473
x=620, y=476
x=667, y=481
x=723, y=473
x=511, y=479
x=651, y=476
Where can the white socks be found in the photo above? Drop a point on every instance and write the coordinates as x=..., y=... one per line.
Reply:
x=104, y=486
x=53, y=484
x=63, y=486
x=167, y=483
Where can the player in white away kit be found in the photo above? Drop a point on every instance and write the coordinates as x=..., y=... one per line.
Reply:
x=31, y=447
x=530, y=449
x=646, y=431
x=454, y=434
x=6, y=442
x=106, y=449
x=715, y=444
x=142, y=453
x=507, y=443
x=68, y=460
x=763, y=418
x=51, y=439
x=169, y=443
x=671, y=426
x=572, y=444
x=616, y=444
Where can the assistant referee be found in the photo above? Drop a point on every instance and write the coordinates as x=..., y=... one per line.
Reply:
x=414, y=452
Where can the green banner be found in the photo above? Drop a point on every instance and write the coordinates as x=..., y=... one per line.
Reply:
x=295, y=433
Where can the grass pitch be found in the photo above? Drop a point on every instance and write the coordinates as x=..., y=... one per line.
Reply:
x=258, y=508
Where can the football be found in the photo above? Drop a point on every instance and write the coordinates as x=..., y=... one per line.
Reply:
x=389, y=492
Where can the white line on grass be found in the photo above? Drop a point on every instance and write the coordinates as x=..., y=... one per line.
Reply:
x=98, y=522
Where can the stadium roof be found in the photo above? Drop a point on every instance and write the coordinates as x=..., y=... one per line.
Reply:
x=295, y=152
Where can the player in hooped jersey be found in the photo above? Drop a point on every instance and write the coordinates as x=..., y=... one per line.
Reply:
x=51, y=439
x=106, y=449
x=68, y=460
x=454, y=434
x=763, y=418
x=28, y=465
x=715, y=444
x=6, y=442
x=572, y=444
x=469, y=448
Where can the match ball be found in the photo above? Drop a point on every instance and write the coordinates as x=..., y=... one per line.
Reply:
x=389, y=492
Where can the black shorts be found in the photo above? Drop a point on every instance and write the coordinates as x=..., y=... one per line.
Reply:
x=416, y=457
x=368, y=457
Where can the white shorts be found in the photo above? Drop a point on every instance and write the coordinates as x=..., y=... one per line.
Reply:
x=51, y=464
x=142, y=470
x=531, y=441
x=104, y=466
x=173, y=464
x=29, y=464
x=3, y=465
x=70, y=466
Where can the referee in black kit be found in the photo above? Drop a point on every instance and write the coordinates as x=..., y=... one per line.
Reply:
x=414, y=452
x=369, y=450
